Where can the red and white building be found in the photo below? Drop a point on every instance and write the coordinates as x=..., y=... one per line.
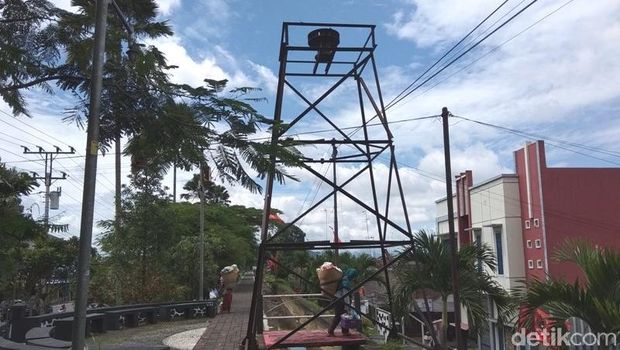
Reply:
x=526, y=216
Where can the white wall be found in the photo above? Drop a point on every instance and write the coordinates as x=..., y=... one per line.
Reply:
x=441, y=208
x=496, y=203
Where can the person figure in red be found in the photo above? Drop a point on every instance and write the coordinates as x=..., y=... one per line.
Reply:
x=227, y=303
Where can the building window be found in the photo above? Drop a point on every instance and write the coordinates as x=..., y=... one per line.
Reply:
x=530, y=264
x=529, y=243
x=500, y=336
x=497, y=230
x=536, y=223
x=447, y=243
x=478, y=240
x=537, y=243
x=527, y=224
x=539, y=264
x=491, y=308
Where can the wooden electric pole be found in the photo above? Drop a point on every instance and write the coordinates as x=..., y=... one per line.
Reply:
x=453, y=242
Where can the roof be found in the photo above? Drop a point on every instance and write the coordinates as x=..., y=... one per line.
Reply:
x=495, y=178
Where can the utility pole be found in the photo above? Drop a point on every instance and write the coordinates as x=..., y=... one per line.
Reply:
x=204, y=175
x=90, y=177
x=48, y=177
x=453, y=243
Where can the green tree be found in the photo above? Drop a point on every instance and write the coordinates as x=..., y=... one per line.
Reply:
x=425, y=270
x=140, y=102
x=17, y=228
x=143, y=238
x=211, y=128
x=155, y=254
x=29, y=54
x=213, y=193
x=49, y=258
x=594, y=299
x=138, y=99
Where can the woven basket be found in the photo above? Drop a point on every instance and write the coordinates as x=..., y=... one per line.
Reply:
x=329, y=280
x=229, y=279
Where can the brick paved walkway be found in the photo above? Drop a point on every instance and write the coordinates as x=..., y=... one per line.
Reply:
x=227, y=330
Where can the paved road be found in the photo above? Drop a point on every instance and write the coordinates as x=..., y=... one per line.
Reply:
x=227, y=330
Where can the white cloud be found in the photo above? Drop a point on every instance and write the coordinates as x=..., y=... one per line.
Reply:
x=484, y=162
x=64, y=4
x=193, y=71
x=561, y=65
x=419, y=196
x=166, y=6
x=219, y=10
x=52, y=131
x=218, y=64
x=267, y=79
x=428, y=22
x=564, y=65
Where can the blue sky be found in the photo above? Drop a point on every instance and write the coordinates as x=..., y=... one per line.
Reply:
x=557, y=79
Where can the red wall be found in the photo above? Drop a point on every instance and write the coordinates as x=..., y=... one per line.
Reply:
x=578, y=203
x=581, y=203
x=533, y=233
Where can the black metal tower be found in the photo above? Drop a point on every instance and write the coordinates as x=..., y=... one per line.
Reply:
x=341, y=58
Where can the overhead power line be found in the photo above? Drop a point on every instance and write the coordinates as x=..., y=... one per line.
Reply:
x=482, y=32
x=445, y=54
x=465, y=52
x=53, y=138
x=402, y=95
x=34, y=128
x=356, y=127
x=568, y=216
x=552, y=141
x=493, y=50
x=38, y=160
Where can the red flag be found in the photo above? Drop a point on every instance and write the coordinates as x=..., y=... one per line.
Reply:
x=274, y=217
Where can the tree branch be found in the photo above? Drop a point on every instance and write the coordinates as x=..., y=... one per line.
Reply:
x=27, y=19
x=36, y=82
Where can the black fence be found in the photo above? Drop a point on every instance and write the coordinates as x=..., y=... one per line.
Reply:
x=100, y=320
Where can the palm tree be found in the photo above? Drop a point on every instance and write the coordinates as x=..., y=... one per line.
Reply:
x=213, y=193
x=134, y=74
x=595, y=299
x=425, y=270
